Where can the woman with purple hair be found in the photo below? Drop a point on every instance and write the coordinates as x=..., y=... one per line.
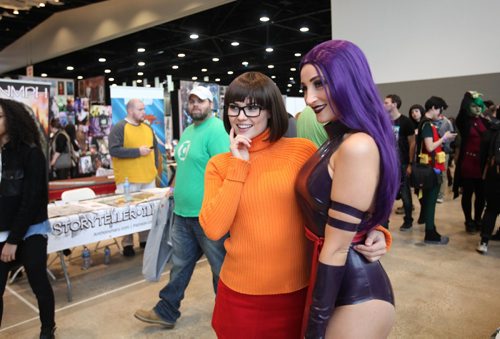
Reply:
x=346, y=289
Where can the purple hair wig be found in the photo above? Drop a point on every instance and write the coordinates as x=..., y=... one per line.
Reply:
x=348, y=81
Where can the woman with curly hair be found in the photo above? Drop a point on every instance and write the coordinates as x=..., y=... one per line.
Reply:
x=24, y=221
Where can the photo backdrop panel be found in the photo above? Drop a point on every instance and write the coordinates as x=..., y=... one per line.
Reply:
x=155, y=117
x=36, y=97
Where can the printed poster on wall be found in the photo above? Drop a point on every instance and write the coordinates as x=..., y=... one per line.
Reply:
x=154, y=106
x=36, y=97
x=92, y=89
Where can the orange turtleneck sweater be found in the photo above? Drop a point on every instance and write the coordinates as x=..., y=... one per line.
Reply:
x=255, y=202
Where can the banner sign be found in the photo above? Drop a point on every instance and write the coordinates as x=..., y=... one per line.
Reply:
x=102, y=224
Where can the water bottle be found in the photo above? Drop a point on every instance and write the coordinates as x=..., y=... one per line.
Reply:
x=86, y=260
x=126, y=190
x=107, y=255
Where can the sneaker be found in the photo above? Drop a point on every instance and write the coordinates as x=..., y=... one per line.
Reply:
x=406, y=227
x=420, y=221
x=150, y=316
x=128, y=251
x=482, y=247
x=439, y=200
x=400, y=210
x=444, y=240
x=432, y=237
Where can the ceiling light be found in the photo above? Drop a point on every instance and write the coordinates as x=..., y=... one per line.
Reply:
x=288, y=90
x=194, y=36
x=301, y=91
x=102, y=59
x=107, y=71
x=175, y=67
x=304, y=29
x=230, y=72
x=140, y=73
x=78, y=77
x=245, y=63
x=41, y=4
x=141, y=63
x=297, y=54
x=148, y=85
x=114, y=85
x=43, y=75
x=273, y=76
x=289, y=85
x=111, y=79
x=194, y=78
x=181, y=55
x=217, y=79
x=138, y=81
x=235, y=43
x=293, y=69
x=141, y=50
x=204, y=69
x=270, y=66
x=70, y=68
x=16, y=12
x=269, y=49
x=291, y=78
x=264, y=19
x=160, y=52
x=215, y=59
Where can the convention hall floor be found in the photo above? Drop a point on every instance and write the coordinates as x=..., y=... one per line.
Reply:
x=441, y=291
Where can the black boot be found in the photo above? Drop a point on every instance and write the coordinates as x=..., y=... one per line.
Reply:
x=327, y=287
x=432, y=237
x=47, y=333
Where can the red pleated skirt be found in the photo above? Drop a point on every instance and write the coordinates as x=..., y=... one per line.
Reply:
x=245, y=316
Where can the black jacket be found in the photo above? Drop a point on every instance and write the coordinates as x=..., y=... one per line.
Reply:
x=23, y=189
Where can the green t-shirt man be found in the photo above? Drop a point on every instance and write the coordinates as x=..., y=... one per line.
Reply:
x=196, y=146
x=308, y=127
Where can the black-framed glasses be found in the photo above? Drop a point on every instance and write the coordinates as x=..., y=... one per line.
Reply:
x=250, y=111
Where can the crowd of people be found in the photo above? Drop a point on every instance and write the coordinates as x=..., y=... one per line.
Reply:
x=291, y=213
x=467, y=143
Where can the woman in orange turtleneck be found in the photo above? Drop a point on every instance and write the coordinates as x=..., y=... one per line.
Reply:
x=250, y=193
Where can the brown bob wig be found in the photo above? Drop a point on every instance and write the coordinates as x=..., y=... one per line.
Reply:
x=262, y=91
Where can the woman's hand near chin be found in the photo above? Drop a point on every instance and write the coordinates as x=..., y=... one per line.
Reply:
x=239, y=145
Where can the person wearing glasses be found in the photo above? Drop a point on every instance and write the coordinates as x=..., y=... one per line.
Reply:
x=199, y=142
x=249, y=192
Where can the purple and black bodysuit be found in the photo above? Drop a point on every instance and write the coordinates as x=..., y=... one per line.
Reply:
x=361, y=280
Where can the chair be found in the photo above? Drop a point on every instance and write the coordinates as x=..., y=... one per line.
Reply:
x=78, y=194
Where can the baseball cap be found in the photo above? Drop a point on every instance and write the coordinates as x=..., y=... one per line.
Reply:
x=202, y=92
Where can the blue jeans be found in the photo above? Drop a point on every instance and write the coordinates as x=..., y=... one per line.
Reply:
x=189, y=242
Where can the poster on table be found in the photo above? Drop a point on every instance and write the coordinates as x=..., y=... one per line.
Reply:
x=36, y=97
x=154, y=107
x=62, y=98
x=186, y=86
x=93, y=89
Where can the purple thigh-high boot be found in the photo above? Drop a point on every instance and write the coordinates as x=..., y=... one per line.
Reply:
x=326, y=289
